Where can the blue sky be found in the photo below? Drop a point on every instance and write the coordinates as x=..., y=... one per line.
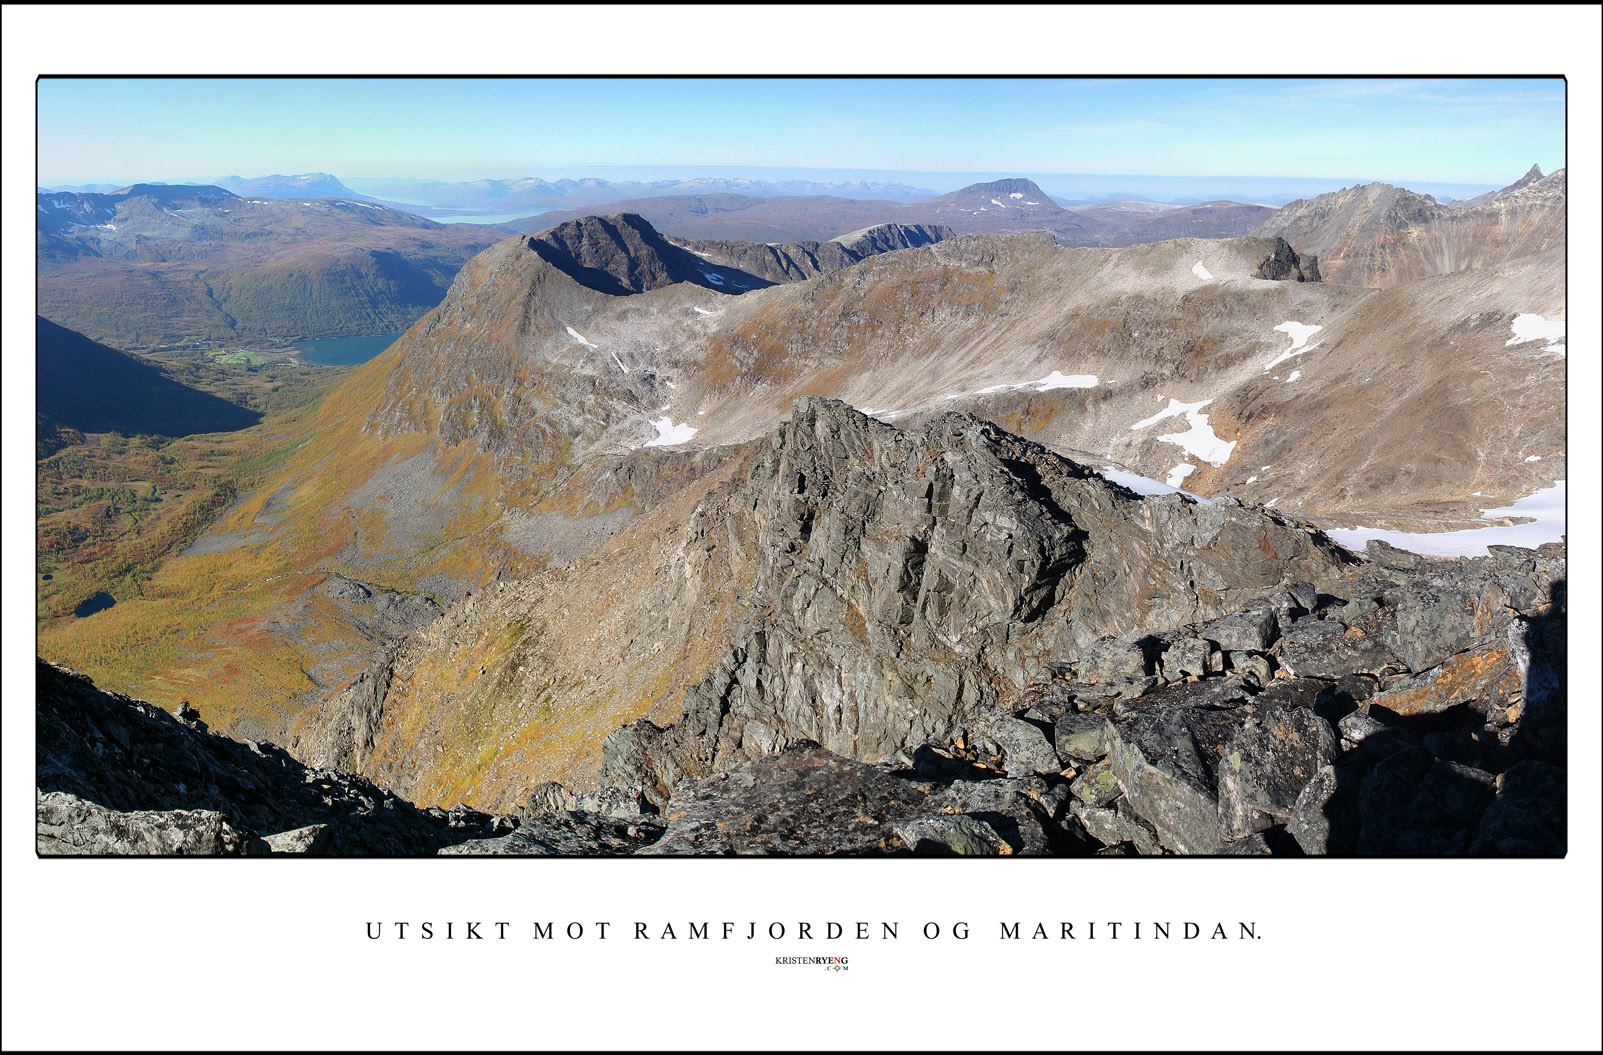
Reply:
x=1400, y=131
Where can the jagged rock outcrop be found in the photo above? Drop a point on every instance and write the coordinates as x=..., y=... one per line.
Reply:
x=798, y=261
x=909, y=581
x=117, y=775
x=1150, y=757
x=1284, y=265
x=889, y=237
x=1268, y=729
x=623, y=254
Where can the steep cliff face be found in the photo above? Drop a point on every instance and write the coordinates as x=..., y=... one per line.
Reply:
x=796, y=261
x=910, y=580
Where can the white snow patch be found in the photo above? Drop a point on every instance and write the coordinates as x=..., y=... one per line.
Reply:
x=1534, y=458
x=1143, y=485
x=1545, y=508
x=1271, y=502
x=1199, y=440
x=716, y=280
x=703, y=311
x=1174, y=407
x=669, y=434
x=576, y=335
x=1178, y=474
x=1016, y=194
x=1252, y=479
x=1535, y=328
x=670, y=384
x=1201, y=272
x=1299, y=335
x=615, y=359
x=1294, y=375
x=1263, y=468
x=1298, y=332
x=1056, y=379
x=996, y=203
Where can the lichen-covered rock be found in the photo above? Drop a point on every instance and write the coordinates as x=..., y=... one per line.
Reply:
x=313, y=840
x=1166, y=763
x=1266, y=766
x=955, y=836
x=567, y=834
x=1113, y=827
x=68, y=825
x=1081, y=737
x=1097, y=786
x=1487, y=678
x=1252, y=630
x=804, y=800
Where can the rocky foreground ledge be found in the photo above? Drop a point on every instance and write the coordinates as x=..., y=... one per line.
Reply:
x=1412, y=707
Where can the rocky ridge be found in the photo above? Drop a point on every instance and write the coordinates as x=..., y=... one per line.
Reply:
x=847, y=583
x=1382, y=236
x=1417, y=709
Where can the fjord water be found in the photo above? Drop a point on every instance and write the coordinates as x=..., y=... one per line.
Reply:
x=344, y=351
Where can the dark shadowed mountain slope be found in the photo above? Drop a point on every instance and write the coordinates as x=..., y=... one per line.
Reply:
x=89, y=387
x=119, y=776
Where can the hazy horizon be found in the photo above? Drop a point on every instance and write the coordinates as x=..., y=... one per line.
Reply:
x=1068, y=185
x=1466, y=132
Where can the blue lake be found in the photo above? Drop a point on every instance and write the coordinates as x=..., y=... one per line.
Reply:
x=98, y=603
x=495, y=217
x=343, y=351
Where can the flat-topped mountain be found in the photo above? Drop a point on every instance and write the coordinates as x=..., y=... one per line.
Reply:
x=305, y=185
x=1380, y=235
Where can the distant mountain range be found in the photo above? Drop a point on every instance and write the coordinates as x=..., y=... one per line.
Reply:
x=502, y=196
x=1009, y=205
x=155, y=264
